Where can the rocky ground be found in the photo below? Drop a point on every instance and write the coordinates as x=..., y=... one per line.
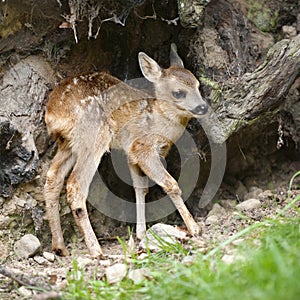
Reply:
x=45, y=271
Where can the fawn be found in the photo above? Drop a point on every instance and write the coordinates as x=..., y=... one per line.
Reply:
x=90, y=113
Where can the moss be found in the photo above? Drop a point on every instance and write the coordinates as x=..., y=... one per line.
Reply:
x=10, y=22
x=191, y=12
x=262, y=15
x=216, y=92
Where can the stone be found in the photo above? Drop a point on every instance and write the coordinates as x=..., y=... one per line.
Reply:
x=289, y=31
x=4, y=251
x=4, y=222
x=240, y=190
x=254, y=192
x=20, y=202
x=212, y=220
x=115, y=273
x=105, y=262
x=249, y=204
x=25, y=292
x=266, y=194
x=228, y=204
x=159, y=233
x=49, y=256
x=188, y=260
x=217, y=210
x=138, y=275
x=83, y=261
x=27, y=246
x=238, y=242
x=228, y=259
x=143, y=256
x=40, y=260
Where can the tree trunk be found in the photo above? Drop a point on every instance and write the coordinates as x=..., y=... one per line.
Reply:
x=256, y=94
x=228, y=44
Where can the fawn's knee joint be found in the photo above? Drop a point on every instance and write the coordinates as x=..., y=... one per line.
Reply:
x=172, y=188
x=79, y=212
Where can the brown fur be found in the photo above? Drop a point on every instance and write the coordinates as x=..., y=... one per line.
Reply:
x=90, y=113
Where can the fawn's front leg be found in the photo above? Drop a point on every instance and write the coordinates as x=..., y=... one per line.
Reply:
x=148, y=160
x=140, y=184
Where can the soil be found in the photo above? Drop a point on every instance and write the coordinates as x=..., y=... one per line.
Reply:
x=228, y=220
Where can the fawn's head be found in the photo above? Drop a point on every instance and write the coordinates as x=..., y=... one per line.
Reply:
x=175, y=84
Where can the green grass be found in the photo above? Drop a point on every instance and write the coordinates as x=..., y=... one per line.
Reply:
x=271, y=271
x=268, y=268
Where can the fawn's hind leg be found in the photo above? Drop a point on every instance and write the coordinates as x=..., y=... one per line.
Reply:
x=148, y=160
x=140, y=184
x=61, y=165
x=87, y=161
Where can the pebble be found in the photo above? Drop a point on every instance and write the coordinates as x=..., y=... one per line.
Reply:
x=217, y=210
x=231, y=258
x=228, y=204
x=249, y=204
x=228, y=259
x=27, y=246
x=115, y=273
x=25, y=292
x=105, y=262
x=83, y=261
x=238, y=242
x=143, y=256
x=166, y=232
x=40, y=260
x=289, y=31
x=188, y=260
x=212, y=220
x=49, y=256
x=4, y=222
x=138, y=275
x=4, y=251
x=20, y=202
x=240, y=190
x=253, y=194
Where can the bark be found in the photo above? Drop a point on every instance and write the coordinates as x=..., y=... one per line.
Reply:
x=23, y=94
x=220, y=41
x=258, y=93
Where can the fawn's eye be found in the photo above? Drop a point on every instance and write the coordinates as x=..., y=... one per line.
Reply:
x=180, y=94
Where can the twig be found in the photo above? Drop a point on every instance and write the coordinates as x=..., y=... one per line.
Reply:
x=33, y=283
x=20, y=279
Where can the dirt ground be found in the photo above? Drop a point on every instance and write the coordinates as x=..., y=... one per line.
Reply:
x=223, y=221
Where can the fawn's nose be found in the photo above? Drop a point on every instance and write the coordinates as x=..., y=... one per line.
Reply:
x=200, y=109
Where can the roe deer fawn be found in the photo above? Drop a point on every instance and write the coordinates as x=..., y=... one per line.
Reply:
x=91, y=113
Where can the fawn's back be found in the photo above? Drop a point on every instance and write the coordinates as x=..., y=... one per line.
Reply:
x=80, y=106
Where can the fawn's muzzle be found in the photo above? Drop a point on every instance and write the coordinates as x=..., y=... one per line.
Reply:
x=200, y=109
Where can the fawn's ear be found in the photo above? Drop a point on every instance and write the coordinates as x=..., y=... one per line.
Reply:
x=149, y=67
x=175, y=60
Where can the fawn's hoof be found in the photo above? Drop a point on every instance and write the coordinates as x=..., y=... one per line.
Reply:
x=194, y=229
x=140, y=232
x=61, y=251
x=95, y=251
x=97, y=254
